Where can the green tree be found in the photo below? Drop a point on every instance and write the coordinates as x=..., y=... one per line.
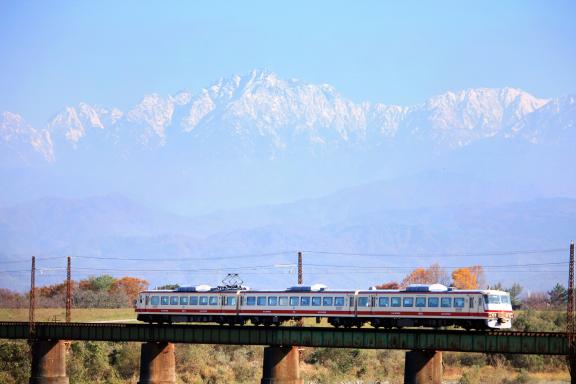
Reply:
x=558, y=295
x=100, y=283
x=515, y=292
x=168, y=286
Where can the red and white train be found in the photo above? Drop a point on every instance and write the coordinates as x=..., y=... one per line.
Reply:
x=418, y=305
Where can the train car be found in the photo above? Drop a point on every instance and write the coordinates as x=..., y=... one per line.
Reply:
x=417, y=305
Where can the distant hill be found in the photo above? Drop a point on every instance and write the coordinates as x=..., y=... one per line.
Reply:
x=117, y=228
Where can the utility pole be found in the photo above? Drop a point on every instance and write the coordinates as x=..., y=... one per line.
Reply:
x=32, y=308
x=68, y=292
x=570, y=316
x=300, y=280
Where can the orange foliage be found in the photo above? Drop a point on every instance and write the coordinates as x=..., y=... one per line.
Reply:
x=131, y=285
x=432, y=275
x=388, y=285
x=467, y=277
x=53, y=290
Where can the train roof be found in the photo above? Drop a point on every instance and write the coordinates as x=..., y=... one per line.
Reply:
x=317, y=288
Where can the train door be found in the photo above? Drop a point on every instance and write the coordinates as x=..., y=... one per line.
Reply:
x=471, y=304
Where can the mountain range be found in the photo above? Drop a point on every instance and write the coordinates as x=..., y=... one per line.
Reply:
x=269, y=115
x=259, y=165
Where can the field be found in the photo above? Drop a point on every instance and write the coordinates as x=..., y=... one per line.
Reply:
x=78, y=315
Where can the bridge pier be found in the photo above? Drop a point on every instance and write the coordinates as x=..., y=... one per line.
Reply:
x=423, y=367
x=157, y=363
x=48, y=362
x=281, y=366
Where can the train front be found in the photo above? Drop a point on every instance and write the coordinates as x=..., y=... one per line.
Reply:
x=498, y=307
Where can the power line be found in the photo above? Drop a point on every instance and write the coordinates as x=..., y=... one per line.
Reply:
x=421, y=255
x=342, y=268
x=280, y=253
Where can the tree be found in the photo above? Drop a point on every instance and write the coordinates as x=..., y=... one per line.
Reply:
x=100, y=283
x=515, y=292
x=168, y=286
x=438, y=274
x=467, y=277
x=389, y=285
x=558, y=295
x=434, y=274
x=132, y=286
x=537, y=300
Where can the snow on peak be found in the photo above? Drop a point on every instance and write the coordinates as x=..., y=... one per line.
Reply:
x=260, y=107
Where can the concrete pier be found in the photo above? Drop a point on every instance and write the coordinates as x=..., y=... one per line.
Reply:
x=48, y=362
x=281, y=366
x=423, y=367
x=157, y=363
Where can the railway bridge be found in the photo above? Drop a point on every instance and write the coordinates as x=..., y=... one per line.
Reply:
x=157, y=365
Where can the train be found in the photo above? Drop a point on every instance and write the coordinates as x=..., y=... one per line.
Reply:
x=417, y=305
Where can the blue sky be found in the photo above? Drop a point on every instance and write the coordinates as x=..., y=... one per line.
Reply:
x=113, y=52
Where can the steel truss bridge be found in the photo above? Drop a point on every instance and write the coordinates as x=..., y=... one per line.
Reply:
x=541, y=343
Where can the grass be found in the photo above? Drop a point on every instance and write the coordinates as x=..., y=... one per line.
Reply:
x=59, y=314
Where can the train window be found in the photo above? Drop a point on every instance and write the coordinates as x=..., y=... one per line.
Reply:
x=505, y=299
x=395, y=302
x=304, y=301
x=251, y=300
x=458, y=302
x=183, y=300
x=193, y=300
x=213, y=300
x=230, y=300
x=203, y=300
x=327, y=301
x=164, y=300
x=283, y=301
x=383, y=302
x=420, y=302
x=317, y=301
x=339, y=301
x=173, y=300
x=294, y=301
x=261, y=300
x=363, y=302
x=147, y=300
x=272, y=300
x=471, y=302
x=492, y=299
x=433, y=302
x=408, y=302
x=154, y=300
x=446, y=302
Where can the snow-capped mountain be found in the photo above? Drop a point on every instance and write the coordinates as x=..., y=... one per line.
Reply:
x=271, y=115
x=258, y=139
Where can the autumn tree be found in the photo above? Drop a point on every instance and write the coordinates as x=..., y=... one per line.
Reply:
x=12, y=299
x=389, y=285
x=432, y=275
x=130, y=285
x=467, y=277
x=537, y=300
